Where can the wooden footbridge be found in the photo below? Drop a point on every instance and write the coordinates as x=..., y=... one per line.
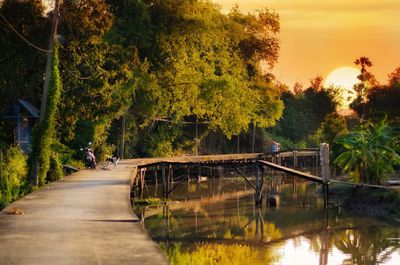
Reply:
x=172, y=171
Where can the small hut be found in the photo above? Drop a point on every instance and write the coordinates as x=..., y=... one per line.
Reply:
x=25, y=116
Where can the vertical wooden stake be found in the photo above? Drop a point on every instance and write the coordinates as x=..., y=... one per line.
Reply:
x=238, y=144
x=254, y=138
x=258, y=186
x=324, y=158
x=167, y=182
x=164, y=182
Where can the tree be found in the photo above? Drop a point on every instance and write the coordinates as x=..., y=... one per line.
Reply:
x=21, y=63
x=332, y=126
x=316, y=82
x=366, y=81
x=201, y=65
x=394, y=77
x=369, y=152
x=99, y=76
x=44, y=134
x=383, y=101
x=304, y=112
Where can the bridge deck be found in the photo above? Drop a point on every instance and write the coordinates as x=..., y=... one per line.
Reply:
x=86, y=218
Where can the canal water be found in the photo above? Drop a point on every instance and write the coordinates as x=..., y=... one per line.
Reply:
x=216, y=222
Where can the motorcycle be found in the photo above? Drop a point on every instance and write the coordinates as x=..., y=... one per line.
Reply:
x=90, y=162
x=90, y=159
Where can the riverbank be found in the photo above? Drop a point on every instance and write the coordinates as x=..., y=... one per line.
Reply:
x=379, y=202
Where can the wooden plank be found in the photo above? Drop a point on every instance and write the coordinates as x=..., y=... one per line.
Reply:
x=291, y=171
x=70, y=168
x=362, y=184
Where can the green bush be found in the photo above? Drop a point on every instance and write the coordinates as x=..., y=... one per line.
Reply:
x=13, y=175
x=55, y=172
x=77, y=164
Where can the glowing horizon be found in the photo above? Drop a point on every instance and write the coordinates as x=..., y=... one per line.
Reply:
x=318, y=36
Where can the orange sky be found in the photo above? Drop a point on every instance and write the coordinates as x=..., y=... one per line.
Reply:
x=319, y=35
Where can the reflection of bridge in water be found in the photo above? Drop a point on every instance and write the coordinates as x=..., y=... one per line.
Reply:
x=169, y=173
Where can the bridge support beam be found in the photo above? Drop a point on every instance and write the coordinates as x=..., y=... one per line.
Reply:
x=259, y=184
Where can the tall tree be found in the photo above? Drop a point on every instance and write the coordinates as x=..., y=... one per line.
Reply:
x=367, y=80
x=98, y=75
x=202, y=65
x=23, y=31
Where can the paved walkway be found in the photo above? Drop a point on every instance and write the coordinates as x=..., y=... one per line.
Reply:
x=86, y=218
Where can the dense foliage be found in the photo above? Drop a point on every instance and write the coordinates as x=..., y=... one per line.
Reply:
x=176, y=76
x=21, y=74
x=162, y=66
x=201, y=65
x=44, y=132
x=304, y=112
x=370, y=152
x=13, y=172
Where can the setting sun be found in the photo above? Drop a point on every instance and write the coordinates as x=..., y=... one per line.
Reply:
x=344, y=77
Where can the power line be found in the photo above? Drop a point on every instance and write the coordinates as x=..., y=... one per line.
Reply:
x=22, y=37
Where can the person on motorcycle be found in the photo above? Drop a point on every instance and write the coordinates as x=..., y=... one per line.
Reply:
x=90, y=158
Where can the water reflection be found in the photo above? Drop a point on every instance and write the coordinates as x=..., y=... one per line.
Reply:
x=216, y=222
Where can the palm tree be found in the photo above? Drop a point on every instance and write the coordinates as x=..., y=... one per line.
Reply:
x=363, y=61
x=367, y=79
x=370, y=152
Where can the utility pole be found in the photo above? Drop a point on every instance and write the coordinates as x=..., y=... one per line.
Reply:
x=35, y=166
x=56, y=14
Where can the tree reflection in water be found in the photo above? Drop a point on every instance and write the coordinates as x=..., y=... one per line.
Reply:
x=228, y=229
x=218, y=254
x=367, y=246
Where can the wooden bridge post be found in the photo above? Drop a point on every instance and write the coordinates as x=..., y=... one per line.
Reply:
x=164, y=182
x=171, y=175
x=141, y=182
x=199, y=174
x=258, y=195
x=294, y=159
x=188, y=174
x=156, y=180
x=325, y=170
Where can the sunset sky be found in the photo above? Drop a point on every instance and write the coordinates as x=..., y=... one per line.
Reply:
x=318, y=36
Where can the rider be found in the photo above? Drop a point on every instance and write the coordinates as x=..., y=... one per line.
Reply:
x=90, y=156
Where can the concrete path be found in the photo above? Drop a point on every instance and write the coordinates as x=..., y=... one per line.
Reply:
x=86, y=218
